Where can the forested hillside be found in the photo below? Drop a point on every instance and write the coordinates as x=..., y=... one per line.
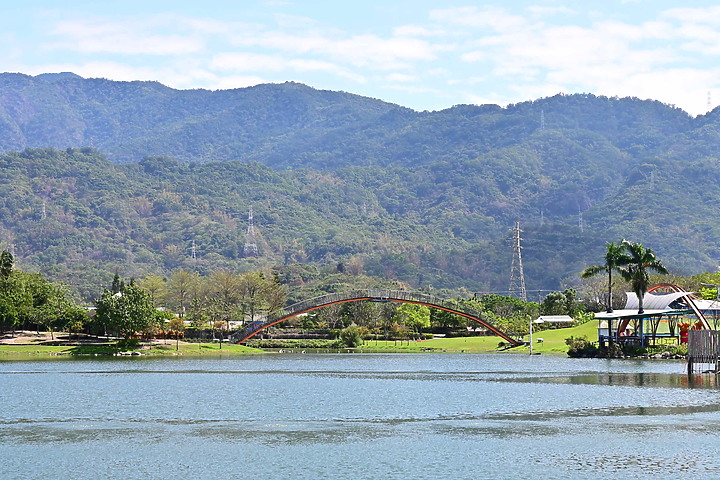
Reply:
x=102, y=176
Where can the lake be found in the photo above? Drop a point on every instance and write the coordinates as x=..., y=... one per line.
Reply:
x=357, y=416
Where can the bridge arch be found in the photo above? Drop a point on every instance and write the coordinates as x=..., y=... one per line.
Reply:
x=372, y=295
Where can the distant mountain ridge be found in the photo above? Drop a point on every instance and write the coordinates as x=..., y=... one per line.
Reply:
x=98, y=173
x=296, y=126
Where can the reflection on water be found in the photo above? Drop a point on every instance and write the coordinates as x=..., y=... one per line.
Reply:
x=332, y=416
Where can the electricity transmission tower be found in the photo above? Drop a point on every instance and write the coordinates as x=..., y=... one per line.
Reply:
x=517, y=277
x=251, y=249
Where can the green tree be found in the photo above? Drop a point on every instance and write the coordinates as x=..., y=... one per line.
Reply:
x=155, y=286
x=445, y=319
x=615, y=257
x=251, y=287
x=180, y=286
x=635, y=268
x=220, y=327
x=51, y=306
x=555, y=303
x=177, y=325
x=117, y=283
x=14, y=299
x=126, y=312
x=560, y=303
x=258, y=295
x=6, y=264
x=225, y=287
x=415, y=317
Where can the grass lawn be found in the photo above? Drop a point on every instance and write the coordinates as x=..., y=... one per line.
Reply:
x=553, y=342
x=26, y=352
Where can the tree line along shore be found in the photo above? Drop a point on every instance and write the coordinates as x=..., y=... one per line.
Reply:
x=189, y=313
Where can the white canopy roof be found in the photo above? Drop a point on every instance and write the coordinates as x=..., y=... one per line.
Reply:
x=633, y=313
x=553, y=319
x=652, y=301
x=706, y=305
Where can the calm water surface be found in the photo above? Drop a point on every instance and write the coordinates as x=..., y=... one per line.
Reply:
x=401, y=416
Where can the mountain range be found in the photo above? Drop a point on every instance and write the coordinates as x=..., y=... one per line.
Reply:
x=99, y=176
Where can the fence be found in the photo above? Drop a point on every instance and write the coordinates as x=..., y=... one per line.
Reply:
x=703, y=349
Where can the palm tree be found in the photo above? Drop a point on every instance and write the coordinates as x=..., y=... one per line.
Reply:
x=635, y=269
x=615, y=257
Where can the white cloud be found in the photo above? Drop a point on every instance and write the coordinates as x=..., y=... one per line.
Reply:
x=369, y=51
x=244, y=61
x=549, y=11
x=304, y=65
x=492, y=18
x=251, y=62
x=122, y=37
x=235, y=81
x=401, y=78
x=702, y=15
x=416, y=31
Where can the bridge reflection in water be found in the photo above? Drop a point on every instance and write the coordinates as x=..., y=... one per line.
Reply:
x=372, y=295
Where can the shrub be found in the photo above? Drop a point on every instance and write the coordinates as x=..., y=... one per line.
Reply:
x=581, y=347
x=681, y=349
x=125, y=344
x=350, y=336
x=634, y=350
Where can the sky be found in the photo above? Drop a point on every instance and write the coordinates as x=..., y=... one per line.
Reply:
x=421, y=54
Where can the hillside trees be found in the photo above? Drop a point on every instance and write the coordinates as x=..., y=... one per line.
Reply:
x=424, y=198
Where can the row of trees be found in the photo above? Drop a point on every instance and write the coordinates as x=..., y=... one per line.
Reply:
x=212, y=301
x=223, y=300
x=28, y=300
x=394, y=320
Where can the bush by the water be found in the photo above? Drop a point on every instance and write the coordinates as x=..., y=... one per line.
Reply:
x=351, y=337
x=581, y=347
x=125, y=344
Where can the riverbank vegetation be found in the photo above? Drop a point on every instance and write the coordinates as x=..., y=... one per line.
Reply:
x=194, y=312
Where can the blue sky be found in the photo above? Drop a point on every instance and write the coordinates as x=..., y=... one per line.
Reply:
x=426, y=55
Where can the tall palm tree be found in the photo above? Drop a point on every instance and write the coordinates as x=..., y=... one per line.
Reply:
x=635, y=270
x=615, y=257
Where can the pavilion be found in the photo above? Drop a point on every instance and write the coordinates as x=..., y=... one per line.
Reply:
x=673, y=306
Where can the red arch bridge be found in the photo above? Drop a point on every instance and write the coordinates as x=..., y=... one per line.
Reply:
x=373, y=295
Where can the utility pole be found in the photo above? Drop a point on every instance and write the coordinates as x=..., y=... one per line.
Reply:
x=580, y=222
x=517, y=276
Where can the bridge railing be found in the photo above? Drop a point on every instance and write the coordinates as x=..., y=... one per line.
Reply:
x=377, y=294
